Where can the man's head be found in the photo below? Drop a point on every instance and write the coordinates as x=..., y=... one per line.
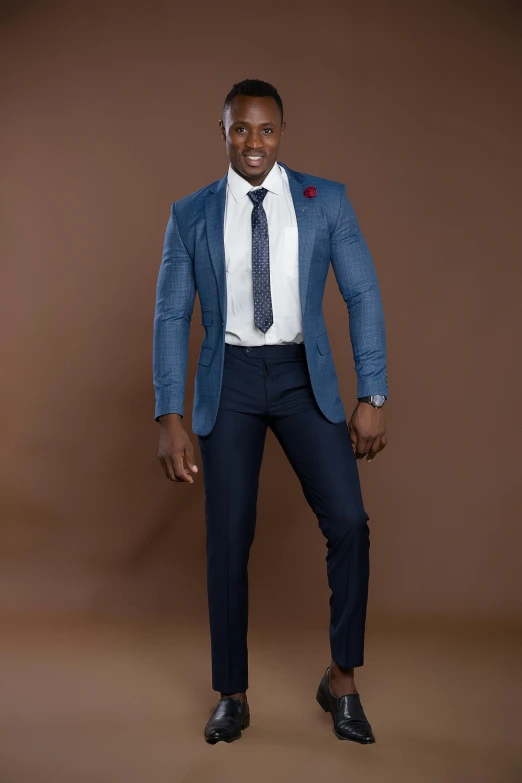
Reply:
x=252, y=127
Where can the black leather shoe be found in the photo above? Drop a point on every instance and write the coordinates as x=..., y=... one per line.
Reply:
x=349, y=720
x=229, y=717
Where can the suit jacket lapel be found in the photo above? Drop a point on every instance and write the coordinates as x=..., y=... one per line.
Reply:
x=303, y=210
x=214, y=218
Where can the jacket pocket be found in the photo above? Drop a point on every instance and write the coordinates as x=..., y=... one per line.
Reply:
x=323, y=343
x=206, y=318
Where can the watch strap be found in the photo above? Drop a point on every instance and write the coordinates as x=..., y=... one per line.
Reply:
x=368, y=398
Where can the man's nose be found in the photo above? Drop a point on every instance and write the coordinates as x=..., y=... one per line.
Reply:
x=254, y=141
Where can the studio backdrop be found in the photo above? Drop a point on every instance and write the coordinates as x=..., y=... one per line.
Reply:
x=110, y=113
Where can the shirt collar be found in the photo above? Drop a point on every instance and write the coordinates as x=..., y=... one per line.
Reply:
x=239, y=186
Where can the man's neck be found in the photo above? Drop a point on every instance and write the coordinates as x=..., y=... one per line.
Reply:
x=254, y=181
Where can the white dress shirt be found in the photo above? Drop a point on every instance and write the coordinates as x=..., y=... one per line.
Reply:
x=284, y=262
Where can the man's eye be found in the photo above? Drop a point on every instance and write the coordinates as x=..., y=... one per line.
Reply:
x=240, y=129
x=269, y=130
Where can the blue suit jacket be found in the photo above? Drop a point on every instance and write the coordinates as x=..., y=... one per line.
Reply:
x=194, y=259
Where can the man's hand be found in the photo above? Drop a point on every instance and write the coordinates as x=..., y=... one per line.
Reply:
x=367, y=429
x=174, y=445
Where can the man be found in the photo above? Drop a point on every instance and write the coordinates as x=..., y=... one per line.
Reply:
x=257, y=245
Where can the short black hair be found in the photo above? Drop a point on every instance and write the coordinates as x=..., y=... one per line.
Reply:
x=255, y=88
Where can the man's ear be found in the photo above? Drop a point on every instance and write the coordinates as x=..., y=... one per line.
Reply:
x=222, y=126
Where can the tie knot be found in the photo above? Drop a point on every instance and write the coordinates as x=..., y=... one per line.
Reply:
x=258, y=195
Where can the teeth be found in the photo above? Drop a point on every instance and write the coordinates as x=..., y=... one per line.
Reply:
x=254, y=157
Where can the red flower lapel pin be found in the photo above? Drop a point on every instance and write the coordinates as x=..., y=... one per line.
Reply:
x=310, y=192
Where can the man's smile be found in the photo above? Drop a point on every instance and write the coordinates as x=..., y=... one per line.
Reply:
x=254, y=160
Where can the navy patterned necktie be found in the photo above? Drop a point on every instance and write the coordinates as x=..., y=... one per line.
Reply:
x=263, y=316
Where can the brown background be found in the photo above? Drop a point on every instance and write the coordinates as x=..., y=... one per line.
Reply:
x=109, y=113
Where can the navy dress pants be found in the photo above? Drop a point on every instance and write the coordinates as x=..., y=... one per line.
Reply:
x=269, y=386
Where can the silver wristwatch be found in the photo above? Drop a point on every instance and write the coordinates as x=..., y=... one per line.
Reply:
x=377, y=400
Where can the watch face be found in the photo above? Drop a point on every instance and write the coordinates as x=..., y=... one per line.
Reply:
x=378, y=400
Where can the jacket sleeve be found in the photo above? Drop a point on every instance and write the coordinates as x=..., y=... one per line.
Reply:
x=357, y=280
x=175, y=295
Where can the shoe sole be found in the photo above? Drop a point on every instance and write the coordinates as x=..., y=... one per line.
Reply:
x=321, y=700
x=245, y=725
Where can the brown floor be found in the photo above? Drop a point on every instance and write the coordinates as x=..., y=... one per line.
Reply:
x=104, y=703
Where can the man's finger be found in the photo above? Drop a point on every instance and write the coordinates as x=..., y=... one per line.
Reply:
x=170, y=471
x=374, y=449
x=362, y=447
x=164, y=466
x=353, y=435
x=180, y=471
x=191, y=462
